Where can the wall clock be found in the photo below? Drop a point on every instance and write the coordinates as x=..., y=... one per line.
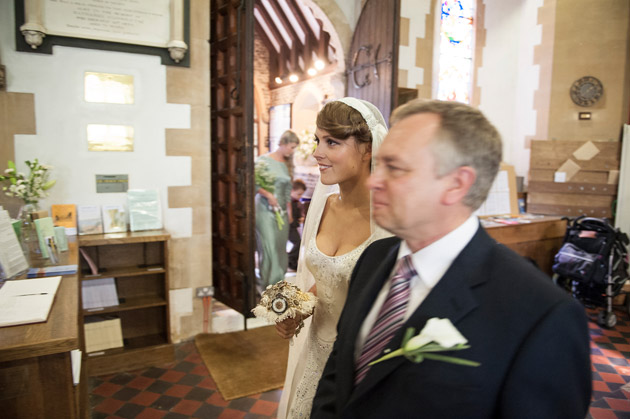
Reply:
x=586, y=91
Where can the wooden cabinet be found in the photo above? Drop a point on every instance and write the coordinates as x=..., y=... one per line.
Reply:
x=35, y=362
x=539, y=239
x=138, y=261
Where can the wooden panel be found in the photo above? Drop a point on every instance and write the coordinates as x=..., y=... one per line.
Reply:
x=576, y=199
x=35, y=387
x=538, y=240
x=569, y=211
x=375, y=49
x=573, y=188
x=551, y=155
x=123, y=238
x=587, y=192
x=130, y=360
x=232, y=153
x=583, y=176
x=35, y=371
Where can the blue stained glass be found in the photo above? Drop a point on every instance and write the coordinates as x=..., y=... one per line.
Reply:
x=456, y=50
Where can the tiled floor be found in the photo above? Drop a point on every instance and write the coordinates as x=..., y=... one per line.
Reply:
x=180, y=390
x=186, y=390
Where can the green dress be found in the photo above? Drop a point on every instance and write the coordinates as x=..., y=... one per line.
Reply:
x=272, y=242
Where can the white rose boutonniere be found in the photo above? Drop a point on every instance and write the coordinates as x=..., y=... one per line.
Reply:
x=438, y=335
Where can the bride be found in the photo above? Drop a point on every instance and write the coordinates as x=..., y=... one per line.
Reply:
x=338, y=228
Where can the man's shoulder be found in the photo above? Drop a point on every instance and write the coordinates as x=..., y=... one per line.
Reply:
x=386, y=243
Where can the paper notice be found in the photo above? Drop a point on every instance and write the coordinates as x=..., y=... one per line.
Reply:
x=560, y=177
x=586, y=152
x=570, y=168
x=613, y=177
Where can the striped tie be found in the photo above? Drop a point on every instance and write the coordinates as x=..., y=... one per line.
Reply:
x=389, y=319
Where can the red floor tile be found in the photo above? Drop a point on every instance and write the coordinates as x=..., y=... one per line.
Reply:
x=618, y=404
x=178, y=390
x=145, y=398
x=263, y=407
x=186, y=407
x=109, y=406
x=599, y=359
x=140, y=382
x=172, y=376
x=612, y=378
x=151, y=413
x=232, y=414
x=208, y=383
x=599, y=413
x=107, y=389
x=200, y=370
x=217, y=400
x=600, y=386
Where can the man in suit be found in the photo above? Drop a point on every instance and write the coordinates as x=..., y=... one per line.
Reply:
x=433, y=171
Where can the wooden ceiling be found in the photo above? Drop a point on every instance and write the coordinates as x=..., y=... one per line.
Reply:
x=296, y=41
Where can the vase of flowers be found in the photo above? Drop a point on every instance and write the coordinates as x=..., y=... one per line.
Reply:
x=30, y=189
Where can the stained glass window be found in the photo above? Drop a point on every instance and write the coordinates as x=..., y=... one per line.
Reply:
x=456, y=50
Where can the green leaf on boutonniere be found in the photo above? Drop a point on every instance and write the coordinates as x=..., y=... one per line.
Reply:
x=438, y=335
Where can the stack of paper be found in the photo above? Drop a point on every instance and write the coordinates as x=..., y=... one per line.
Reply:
x=97, y=293
x=12, y=260
x=102, y=333
x=144, y=209
x=27, y=300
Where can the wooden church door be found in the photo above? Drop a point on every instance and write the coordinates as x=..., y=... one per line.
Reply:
x=232, y=155
x=372, y=73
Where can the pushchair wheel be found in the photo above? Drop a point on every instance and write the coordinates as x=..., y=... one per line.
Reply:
x=607, y=320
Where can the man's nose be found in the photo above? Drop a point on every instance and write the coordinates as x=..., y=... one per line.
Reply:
x=374, y=181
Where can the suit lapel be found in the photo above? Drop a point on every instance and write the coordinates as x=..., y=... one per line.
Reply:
x=451, y=298
x=368, y=281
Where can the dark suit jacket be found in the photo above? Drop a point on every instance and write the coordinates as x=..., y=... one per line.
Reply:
x=530, y=337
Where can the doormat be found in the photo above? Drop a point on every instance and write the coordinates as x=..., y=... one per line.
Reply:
x=245, y=362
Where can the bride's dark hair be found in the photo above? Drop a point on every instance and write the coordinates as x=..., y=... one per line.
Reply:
x=342, y=121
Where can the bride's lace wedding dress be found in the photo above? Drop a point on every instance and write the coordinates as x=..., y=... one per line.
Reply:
x=332, y=277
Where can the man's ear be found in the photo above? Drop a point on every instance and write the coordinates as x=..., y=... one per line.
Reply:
x=460, y=182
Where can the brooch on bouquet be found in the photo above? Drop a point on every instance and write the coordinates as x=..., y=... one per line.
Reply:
x=282, y=301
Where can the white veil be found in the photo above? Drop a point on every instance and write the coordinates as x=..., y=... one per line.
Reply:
x=304, y=279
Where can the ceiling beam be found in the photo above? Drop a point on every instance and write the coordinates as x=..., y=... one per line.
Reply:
x=284, y=48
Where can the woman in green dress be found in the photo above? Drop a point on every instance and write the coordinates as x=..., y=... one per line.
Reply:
x=273, y=210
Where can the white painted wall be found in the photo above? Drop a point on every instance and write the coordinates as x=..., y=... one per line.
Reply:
x=62, y=116
x=415, y=11
x=508, y=77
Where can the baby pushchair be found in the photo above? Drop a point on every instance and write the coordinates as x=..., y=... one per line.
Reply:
x=593, y=265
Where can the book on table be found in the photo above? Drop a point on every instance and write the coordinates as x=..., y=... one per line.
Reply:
x=27, y=301
x=89, y=219
x=65, y=215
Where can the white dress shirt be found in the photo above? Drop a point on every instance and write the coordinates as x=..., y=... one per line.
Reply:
x=431, y=263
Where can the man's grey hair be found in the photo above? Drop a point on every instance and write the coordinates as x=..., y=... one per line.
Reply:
x=465, y=138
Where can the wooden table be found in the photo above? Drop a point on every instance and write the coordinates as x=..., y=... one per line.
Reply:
x=35, y=367
x=539, y=239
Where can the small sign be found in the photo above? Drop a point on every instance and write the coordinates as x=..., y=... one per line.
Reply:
x=112, y=183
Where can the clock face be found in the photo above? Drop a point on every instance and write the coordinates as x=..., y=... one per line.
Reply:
x=586, y=91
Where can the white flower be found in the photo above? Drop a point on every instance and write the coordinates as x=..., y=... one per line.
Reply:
x=440, y=331
x=438, y=335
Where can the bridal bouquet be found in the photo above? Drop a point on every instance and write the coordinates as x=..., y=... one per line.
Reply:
x=266, y=180
x=282, y=301
x=438, y=335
